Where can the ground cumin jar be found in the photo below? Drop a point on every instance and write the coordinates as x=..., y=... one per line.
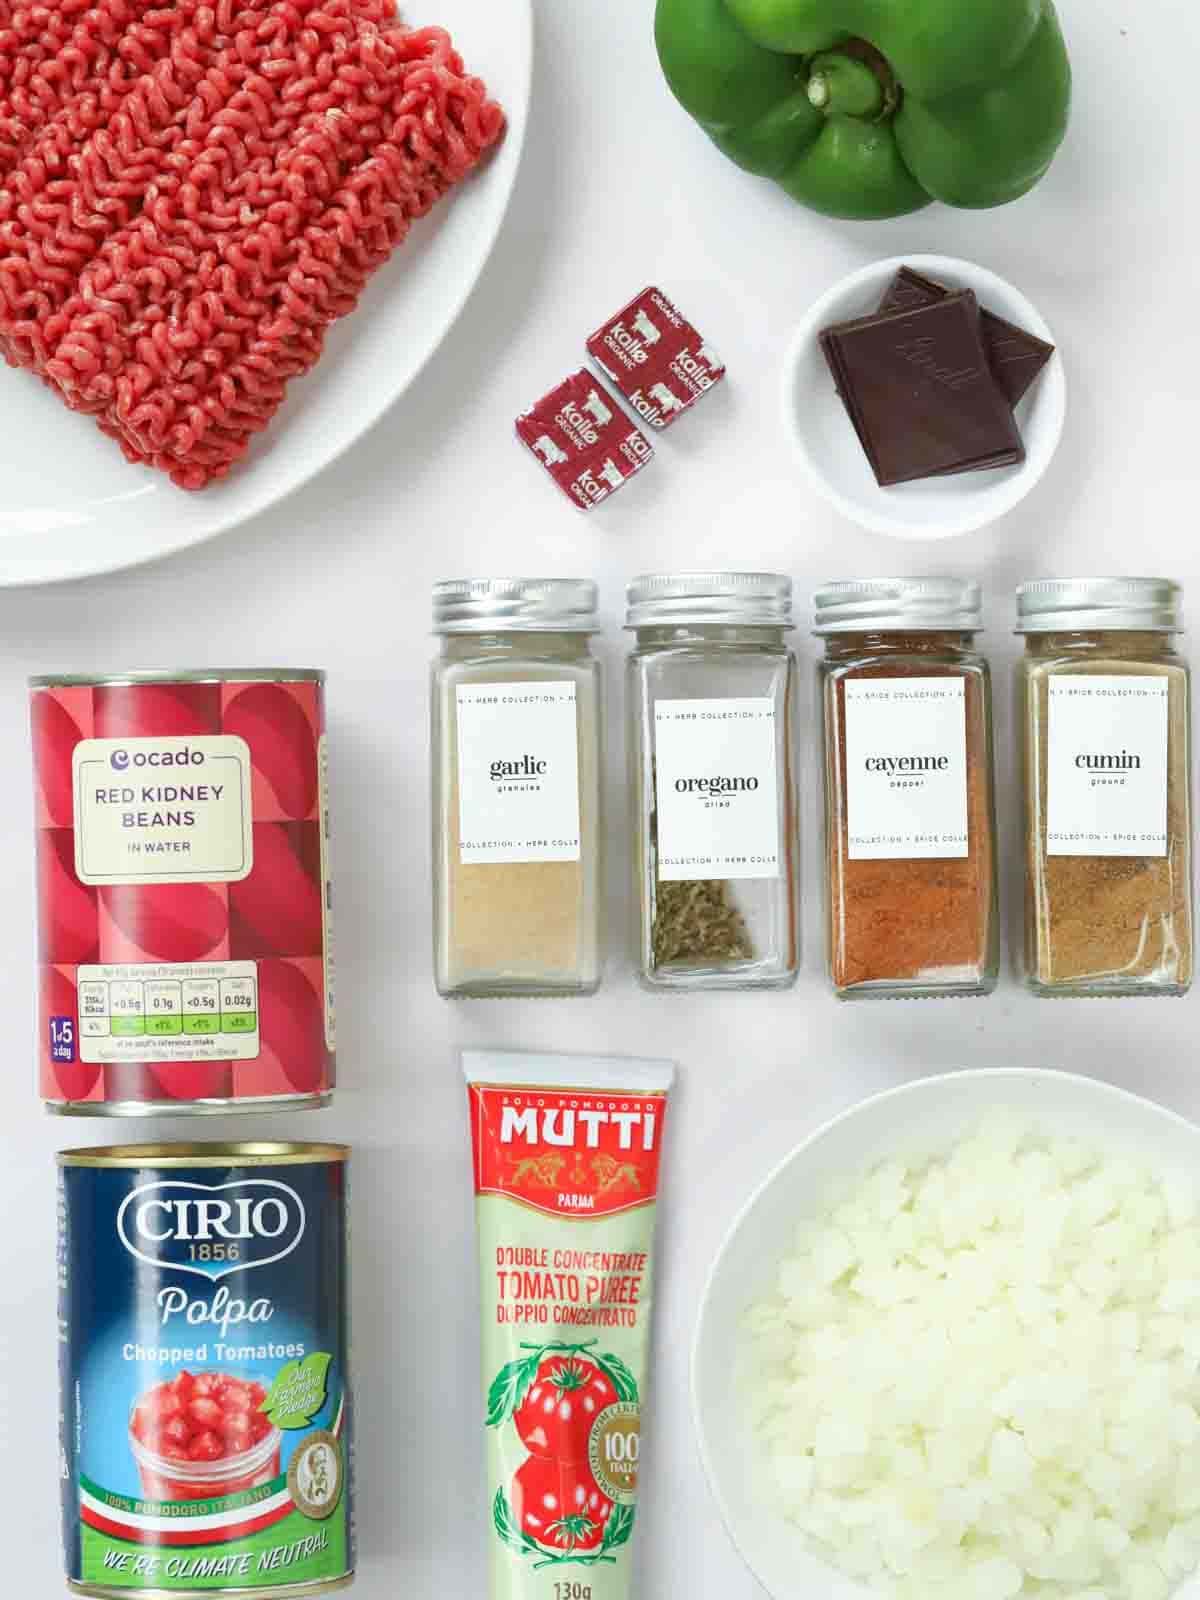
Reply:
x=516, y=788
x=1104, y=702
x=711, y=690
x=909, y=794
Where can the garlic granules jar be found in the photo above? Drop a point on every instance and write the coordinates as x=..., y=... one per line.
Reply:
x=1104, y=700
x=516, y=791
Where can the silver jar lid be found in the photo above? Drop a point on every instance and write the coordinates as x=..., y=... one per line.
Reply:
x=515, y=605
x=710, y=599
x=899, y=605
x=1084, y=605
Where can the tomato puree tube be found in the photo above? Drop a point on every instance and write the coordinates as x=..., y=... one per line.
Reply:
x=566, y=1154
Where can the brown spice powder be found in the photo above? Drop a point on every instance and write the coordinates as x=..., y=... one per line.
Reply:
x=912, y=921
x=1120, y=918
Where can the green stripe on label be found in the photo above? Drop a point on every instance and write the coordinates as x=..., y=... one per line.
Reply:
x=293, y=1551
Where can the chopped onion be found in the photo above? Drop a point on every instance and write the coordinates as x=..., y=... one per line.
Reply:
x=978, y=1377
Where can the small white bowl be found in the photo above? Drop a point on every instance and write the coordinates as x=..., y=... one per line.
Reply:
x=828, y=447
x=918, y=1120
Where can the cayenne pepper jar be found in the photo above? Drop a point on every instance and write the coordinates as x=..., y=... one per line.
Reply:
x=909, y=793
x=1104, y=702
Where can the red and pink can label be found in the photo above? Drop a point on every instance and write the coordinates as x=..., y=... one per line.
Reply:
x=184, y=906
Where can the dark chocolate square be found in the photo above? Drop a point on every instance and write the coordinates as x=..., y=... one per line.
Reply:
x=920, y=393
x=1016, y=357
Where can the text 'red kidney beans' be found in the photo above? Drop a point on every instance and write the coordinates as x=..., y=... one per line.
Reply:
x=205, y=1401
x=184, y=905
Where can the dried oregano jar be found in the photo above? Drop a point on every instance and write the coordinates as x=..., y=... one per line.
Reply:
x=1104, y=702
x=909, y=803
x=516, y=788
x=711, y=683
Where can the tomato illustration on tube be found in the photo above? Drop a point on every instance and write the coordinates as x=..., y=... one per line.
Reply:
x=566, y=1155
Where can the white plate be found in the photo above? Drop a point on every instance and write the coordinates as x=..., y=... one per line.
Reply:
x=828, y=447
x=915, y=1121
x=72, y=506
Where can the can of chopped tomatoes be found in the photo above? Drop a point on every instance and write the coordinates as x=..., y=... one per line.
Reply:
x=205, y=1402
x=185, y=941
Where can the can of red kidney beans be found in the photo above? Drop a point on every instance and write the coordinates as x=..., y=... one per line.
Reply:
x=205, y=1401
x=184, y=908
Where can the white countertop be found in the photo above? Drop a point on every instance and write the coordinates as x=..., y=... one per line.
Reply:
x=618, y=190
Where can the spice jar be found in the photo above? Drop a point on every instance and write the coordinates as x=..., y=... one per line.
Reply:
x=909, y=795
x=711, y=685
x=1104, y=701
x=516, y=789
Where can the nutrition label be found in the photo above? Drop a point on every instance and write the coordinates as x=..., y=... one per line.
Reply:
x=197, y=1012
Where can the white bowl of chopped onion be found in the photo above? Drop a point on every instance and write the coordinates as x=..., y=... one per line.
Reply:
x=949, y=1349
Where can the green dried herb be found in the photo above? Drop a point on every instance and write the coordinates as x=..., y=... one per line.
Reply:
x=695, y=921
x=698, y=922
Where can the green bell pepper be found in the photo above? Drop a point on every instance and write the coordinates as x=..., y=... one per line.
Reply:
x=873, y=108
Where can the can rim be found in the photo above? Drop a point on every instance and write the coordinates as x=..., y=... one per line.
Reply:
x=117, y=680
x=284, y=1591
x=244, y=1106
x=206, y=1153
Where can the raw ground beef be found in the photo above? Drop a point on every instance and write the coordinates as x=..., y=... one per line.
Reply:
x=190, y=194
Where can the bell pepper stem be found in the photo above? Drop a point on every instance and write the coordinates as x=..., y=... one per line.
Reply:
x=843, y=85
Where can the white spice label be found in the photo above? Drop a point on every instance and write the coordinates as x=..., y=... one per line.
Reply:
x=906, y=769
x=715, y=788
x=518, y=772
x=1106, y=778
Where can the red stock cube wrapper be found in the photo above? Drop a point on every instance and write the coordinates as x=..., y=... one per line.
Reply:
x=656, y=358
x=584, y=440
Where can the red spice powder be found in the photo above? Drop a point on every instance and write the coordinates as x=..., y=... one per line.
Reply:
x=911, y=921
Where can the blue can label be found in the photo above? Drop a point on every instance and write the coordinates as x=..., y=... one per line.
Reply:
x=205, y=1405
